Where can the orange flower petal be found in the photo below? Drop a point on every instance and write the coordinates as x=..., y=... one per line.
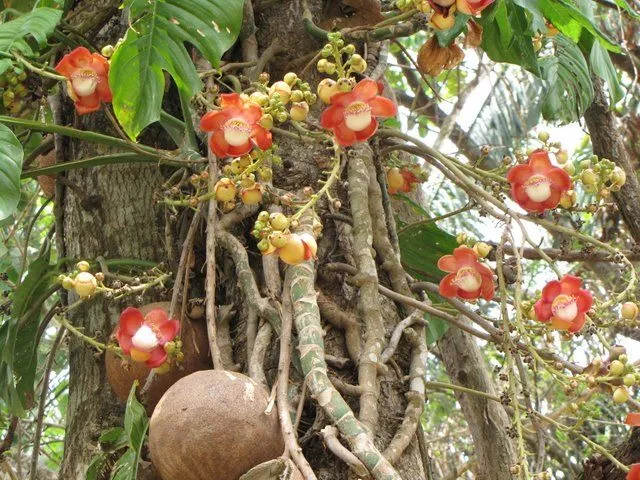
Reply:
x=383, y=107
x=633, y=419
x=366, y=89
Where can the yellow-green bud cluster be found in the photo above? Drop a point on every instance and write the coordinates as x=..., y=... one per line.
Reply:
x=601, y=176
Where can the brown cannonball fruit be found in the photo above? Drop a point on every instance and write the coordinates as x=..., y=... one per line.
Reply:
x=213, y=425
x=122, y=373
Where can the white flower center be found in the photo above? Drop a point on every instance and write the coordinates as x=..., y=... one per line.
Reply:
x=84, y=82
x=357, y=116
x=538, y=188
x=236, y=132
x=145, y=339
x=468, y=279
x=565, y=308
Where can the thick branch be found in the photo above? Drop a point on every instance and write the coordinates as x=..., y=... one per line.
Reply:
x=311, y=347
x=608, y=143
x=368, y=299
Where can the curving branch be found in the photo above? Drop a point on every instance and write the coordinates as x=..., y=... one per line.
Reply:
x=311, y=348
x=367, y=277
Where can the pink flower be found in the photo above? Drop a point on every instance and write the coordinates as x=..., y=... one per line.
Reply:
x=235, y=128
x=564, y=304
x=351, y=114
x=538, y=185
x=143, y=336
x=468, y=278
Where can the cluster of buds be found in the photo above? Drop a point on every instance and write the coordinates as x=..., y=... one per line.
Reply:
x=284, y=99
x=83, y=282
x=601, y=177
x=241, y=177
x=340, y=60
x=402, y=179
x=274, y=236
x=482, y=249
x=16, y=95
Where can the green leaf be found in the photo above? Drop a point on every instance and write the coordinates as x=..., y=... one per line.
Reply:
x=136, y=424
x=116, y=437
x=572, y=22
x=18, y=336
x=421, y=245
x=506, y=35
x=436, y=328
x=601, y=64
x=37, y=24
x=135, y=420
x=566, y=73
x=627, y=8
x=11, y=156
x=445, y=37
x=96, y=467
x=156, y=44
x=126, y=468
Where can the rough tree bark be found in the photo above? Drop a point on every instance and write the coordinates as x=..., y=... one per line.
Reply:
x=608, y=143
x=488, y=422
x=601, y=468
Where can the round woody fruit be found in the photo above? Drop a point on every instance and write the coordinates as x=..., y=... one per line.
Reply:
x=213, y=424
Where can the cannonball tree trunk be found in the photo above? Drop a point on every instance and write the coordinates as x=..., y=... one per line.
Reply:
x=340, y=322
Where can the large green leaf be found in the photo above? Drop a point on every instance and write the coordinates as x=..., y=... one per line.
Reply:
x=572, y=22
x=18, y=336
x=37, y=24
x=136, y=424
x=156, y=43
x=566, y=73
x=600, y=63
x=507, y=35
x=421, y=245
x=11, y=155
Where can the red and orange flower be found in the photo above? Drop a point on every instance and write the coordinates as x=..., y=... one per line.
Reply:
x=235, y=128
x=538, y=185
x=564, y=304
x=400, y=180
x=143, y=336
x=87, y=79
x=634, y=472
x=468, y=278
x=351, y=115
x=472, y=7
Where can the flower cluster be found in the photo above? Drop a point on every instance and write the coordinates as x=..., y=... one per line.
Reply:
x=538, y=185
x=467, y=278
x=87, y=79
x=564, y=304
x=274, y=235
x=146, y=338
